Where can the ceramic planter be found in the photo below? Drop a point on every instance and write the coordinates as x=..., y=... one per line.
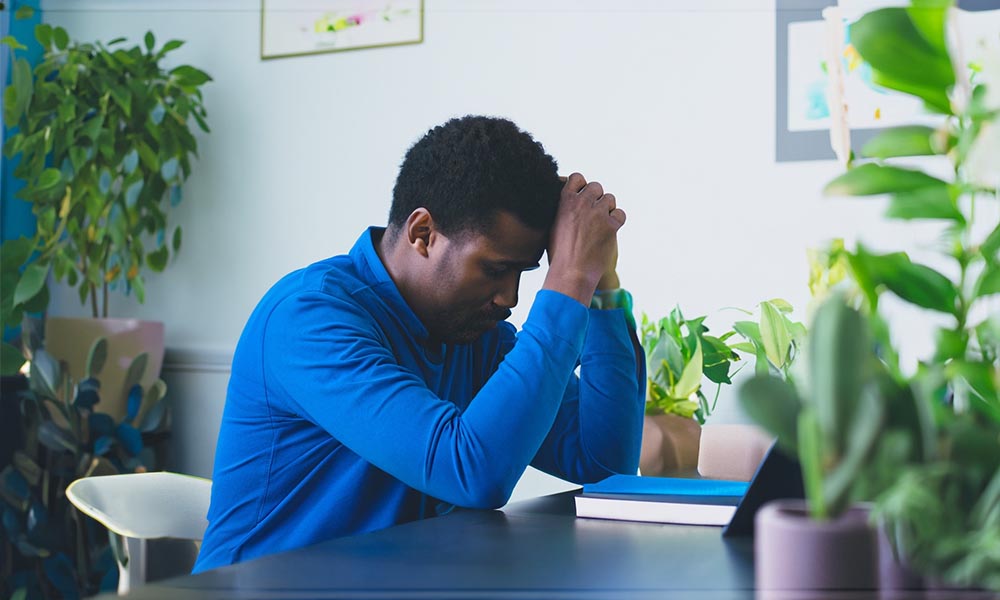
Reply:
x=731, y=451
x=794, y=553
x=669, y=446
x=69, y=340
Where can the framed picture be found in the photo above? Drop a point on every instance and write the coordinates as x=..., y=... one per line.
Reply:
x=802, y=116
x=300, y=27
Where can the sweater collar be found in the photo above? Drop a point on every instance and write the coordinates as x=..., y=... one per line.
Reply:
x=371, y=269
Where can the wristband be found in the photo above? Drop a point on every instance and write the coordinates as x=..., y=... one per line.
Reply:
x=612, y=299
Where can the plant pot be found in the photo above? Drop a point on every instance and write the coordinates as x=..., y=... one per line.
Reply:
x=731, y=451
x=793, y=552
x=669, y=446
x=70, y=339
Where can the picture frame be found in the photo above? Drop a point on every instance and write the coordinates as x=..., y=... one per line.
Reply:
x=291, y=28
x=801, y=130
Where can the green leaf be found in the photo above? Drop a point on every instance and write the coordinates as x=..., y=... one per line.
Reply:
x=12, y=42
x=21, y=79
x=11, y=359
x=48, y=179
x=774, y=405
x=783, y=305
x=24, y=12
x=169, y=47
x=901, y=57
x=157, y=260
x=811, y=461
x=991, y=246
x=690, y=379
x=870, y=179
x=928, y=18
x=839, y=354
x=122, y=97
x=177, y=239
x=915, y=283
x=97, y=356
x=60, y=37
x=774, y=334
x=910, y=140
x=43, y=33
x=190, y=76
x=989, y=281
x=31, y=282
x=750, y=331
x=135, y=372
x=150, y=40
x=932, y=202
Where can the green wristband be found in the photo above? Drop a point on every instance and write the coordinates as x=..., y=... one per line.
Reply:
x=612, y=299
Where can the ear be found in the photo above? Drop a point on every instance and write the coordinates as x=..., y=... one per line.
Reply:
x=420, y=230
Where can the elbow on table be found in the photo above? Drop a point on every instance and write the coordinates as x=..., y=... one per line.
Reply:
x=485, y=495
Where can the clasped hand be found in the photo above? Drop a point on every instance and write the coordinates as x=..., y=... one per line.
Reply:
x=583, y=245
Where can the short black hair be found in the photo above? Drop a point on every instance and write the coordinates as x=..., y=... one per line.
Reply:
x=466, y=170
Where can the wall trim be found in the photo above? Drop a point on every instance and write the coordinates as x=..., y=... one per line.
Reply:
x=198, y=360
x=150, y=5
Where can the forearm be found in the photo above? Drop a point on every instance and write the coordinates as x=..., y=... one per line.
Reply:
x=598, y=431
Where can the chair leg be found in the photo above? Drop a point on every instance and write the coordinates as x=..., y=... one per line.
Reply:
x=130, y=554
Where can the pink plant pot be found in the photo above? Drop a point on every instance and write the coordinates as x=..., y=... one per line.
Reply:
x=793, y=552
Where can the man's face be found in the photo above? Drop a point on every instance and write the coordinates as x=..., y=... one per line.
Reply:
x=476, y=277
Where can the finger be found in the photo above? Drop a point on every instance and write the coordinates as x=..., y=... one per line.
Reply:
x=618, y=215
x=575, y=182
x=607, y=201
x=592, y=191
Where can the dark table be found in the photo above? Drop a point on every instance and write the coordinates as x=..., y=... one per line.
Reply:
x=531, y=549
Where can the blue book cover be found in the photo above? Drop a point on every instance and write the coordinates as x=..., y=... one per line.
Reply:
x=668, y=489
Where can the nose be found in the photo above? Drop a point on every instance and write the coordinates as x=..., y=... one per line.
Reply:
x=506, y=296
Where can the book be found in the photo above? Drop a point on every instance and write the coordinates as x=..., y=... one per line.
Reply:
x=661, y=500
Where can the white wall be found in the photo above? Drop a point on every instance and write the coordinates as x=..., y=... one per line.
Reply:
x=669, y=103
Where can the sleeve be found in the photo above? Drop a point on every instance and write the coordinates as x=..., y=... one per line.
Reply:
x=598, y=429
x=327, y=358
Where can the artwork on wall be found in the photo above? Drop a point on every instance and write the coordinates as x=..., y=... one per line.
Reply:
x=803, y=115
x=299, y=27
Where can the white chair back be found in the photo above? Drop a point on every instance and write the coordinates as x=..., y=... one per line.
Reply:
x=143, y=506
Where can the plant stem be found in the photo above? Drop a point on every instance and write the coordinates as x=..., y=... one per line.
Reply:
x=104, y=312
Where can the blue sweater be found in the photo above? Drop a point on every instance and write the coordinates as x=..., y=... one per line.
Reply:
x=341, y=418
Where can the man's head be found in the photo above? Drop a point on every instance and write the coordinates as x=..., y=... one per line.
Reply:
x=471, y=210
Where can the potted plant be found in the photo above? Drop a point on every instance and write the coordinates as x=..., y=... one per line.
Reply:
x=954, y=540
x=105, y=141
x=832, y=422
x=48, y=548
x=934, y=473
x=680, y=354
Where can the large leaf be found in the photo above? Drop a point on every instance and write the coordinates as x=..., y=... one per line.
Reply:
x=690, y=379
x=772, y=404
x=928, y=18
x=991, y=246
x=888, y=40
x=56, y=439
x=11, y=359
x=870, y=179
x=31, y=282
x=989, y=281
x=97, y=356
x=45, y=375
x=840, y=353
x=909, y=140
x=932, y=202
x=774, y=333
x=915, y=283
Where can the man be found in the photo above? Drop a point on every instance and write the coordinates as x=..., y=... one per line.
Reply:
x=384, y=386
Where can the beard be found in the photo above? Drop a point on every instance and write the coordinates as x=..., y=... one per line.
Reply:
x=465, y=326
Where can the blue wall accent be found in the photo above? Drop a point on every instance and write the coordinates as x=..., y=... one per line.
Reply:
x=15, y=214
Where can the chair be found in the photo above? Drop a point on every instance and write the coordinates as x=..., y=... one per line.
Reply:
x=138, y=507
